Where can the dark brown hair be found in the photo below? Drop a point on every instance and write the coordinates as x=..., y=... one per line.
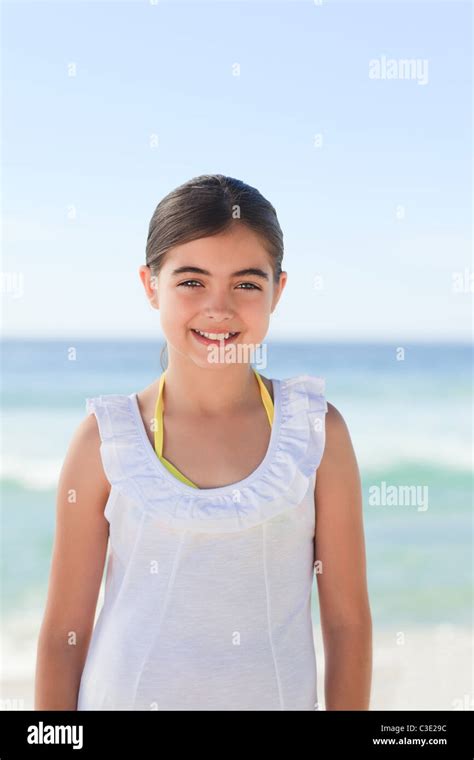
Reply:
x=208, y=205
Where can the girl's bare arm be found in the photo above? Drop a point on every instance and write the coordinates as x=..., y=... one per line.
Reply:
x=80, y=546
x=341, y=572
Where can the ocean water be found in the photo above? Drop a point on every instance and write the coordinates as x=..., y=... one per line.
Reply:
x=410, y=422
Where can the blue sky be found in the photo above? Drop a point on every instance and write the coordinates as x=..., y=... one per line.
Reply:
x=379, y=208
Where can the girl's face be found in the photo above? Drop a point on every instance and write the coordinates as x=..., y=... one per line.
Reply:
x=203, y=286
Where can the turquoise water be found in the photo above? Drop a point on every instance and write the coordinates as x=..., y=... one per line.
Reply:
x=410, y=423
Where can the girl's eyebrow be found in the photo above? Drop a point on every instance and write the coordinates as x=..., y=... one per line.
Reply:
x=241, y=272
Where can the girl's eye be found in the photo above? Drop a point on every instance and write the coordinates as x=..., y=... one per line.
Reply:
x=252, y=286
x=187, y=284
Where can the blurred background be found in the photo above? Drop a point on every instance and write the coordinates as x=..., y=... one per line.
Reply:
x=107, y=106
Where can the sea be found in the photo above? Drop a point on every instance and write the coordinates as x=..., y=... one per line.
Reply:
x=408, y=409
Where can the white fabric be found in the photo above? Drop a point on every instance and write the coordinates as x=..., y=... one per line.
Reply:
x=207, y=600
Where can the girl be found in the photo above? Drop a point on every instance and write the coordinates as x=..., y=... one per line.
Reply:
x=205, y=484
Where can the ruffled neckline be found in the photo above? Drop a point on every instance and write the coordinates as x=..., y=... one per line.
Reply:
x=279, y=482
x=182, y=487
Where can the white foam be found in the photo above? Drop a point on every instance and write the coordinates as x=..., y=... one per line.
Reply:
x=33, y=473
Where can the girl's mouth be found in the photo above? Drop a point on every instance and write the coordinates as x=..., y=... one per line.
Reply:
x=222, y=339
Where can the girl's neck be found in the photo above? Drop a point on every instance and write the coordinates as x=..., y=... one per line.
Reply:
x=220, y=390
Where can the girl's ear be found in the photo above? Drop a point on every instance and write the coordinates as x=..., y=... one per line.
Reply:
x=279, y=289
x=150, y=283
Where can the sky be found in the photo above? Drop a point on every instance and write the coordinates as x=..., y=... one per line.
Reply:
x=108, y=106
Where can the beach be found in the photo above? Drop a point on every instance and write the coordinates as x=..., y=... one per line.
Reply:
x=424, y=668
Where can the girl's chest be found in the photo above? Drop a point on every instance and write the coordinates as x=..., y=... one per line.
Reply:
x=215, y=453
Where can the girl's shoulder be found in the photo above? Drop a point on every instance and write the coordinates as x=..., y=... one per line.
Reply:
x=335, y=422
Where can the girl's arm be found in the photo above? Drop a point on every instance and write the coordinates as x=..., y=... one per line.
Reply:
x=77, y=566
x=346, y=621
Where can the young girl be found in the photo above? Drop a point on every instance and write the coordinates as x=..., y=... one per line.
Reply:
x=222, y=493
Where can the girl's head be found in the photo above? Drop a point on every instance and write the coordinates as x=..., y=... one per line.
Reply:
x=211, y=229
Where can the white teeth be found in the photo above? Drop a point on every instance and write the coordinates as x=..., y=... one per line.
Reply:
x=215, y=336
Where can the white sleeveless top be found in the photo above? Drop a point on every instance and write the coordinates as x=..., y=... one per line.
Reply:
x=207, y=602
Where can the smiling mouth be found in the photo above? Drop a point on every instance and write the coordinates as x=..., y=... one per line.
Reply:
x=209, y=337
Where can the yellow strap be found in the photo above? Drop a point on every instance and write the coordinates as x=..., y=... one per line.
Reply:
x=177, y=473
x=158, y=418
x=158, y=424
x=266, y=398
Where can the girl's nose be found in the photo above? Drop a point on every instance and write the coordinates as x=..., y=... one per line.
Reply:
x=218, y=312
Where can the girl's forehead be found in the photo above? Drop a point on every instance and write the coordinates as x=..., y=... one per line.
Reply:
x=236, y=236
x=221, y=253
